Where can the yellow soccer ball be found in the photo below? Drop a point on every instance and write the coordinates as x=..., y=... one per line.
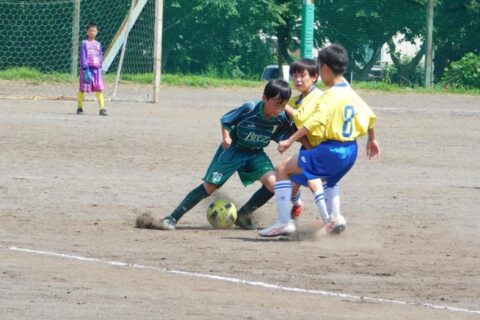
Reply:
x=222, y=214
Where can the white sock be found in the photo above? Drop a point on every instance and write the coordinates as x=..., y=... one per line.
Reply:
x=321, y=204
x=283, y=193
x=332, y=196
x=297, y=199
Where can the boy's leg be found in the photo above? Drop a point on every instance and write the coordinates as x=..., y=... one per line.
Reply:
x=337, y=221
x=319, y=195
x=296, y=199
x=283, y=194
x=190, y=201
x=80, y=98
x=258, y=199
x=332, y=195
x=101, y=103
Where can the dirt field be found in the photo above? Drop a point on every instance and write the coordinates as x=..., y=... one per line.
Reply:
x=71, y=187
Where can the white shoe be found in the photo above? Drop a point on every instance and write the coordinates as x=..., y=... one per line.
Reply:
x=278, y=229
x=335, y=226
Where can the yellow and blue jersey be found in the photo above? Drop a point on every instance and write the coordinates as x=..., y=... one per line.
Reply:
x=341, y=115
x=250, y=129
x=306, y=107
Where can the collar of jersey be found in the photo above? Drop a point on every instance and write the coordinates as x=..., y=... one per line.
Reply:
x=260, y=109
x=300, y=99
x=341, y=84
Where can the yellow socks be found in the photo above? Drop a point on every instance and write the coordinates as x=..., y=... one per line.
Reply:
x=101, y=102
x=80, y=97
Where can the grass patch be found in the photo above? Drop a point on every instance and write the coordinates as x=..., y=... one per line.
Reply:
x=388, y=87
x=206, y=82
x=24, y=74
x=34, y=75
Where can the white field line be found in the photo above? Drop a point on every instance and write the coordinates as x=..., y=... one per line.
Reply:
x=473, y=112
x=246, y=282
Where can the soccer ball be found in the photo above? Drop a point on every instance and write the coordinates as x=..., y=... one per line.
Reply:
x=222, y=214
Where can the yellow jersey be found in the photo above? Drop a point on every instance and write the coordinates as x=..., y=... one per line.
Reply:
x=340, y=115
x=305, y=108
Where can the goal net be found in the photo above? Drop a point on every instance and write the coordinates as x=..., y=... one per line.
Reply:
x=41, y=38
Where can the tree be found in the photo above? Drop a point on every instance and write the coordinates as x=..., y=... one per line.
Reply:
x=363, y=27
x=456, y=32
x=227, y=37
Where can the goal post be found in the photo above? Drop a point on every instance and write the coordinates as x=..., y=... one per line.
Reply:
x=44, y=36
x=157, y=50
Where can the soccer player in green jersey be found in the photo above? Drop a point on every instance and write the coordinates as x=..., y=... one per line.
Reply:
x=246, y=130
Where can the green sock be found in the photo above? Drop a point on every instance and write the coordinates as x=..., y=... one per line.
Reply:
x=257, y=200
x=190, y=201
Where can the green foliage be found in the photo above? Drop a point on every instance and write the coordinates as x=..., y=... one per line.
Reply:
x=29, y=75
x=206, y=82
x=464, y=72
x=456, y=31
x=364, y=26
x=220, y=35
x=412, y=79
x=35, y=75
x=237, y=39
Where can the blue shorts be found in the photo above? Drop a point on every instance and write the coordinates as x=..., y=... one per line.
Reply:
x=330, y=161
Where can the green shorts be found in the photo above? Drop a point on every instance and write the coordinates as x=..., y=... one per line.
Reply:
x=251, y=165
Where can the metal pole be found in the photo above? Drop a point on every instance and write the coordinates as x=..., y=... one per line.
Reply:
x=157, y=51
x=308, y=10
x=122, y=54
x=429, y=48
x=75, y=40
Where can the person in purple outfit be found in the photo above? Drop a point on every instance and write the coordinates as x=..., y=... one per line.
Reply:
x=91, y=80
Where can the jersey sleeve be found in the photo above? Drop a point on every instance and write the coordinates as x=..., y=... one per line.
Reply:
x=83, y=55
x=285, y=130
x=100, y=55
x=232, y=118
x=318, y=118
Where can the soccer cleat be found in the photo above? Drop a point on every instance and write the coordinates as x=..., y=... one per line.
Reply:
x=245, y=222
x=103, y=112
x=278, y=229
x=296, y=211
x=168, y=223
x=79, y=111
x=335, y=226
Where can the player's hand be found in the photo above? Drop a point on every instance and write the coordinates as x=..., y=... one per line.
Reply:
x=283, y=146
x=87, y=75
x=226, y=143
x=373, y=149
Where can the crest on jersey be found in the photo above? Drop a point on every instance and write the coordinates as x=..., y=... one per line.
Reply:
x=217, y=176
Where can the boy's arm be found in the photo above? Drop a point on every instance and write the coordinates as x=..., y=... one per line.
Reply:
x=290, y=111
x=226, y=139
x=83, y=56
x=100, y=58
x=285, y=144
x=373, y=148
x=230, y=119
x=305, y=143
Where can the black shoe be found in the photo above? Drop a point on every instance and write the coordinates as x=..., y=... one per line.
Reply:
x=245, y=222
x=79, y=111
x=103, y=112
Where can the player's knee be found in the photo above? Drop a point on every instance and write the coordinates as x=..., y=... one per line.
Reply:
x=210, y=188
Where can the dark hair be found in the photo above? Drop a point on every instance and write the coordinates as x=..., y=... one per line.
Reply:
x=91, y=25
x=335, y=56
x=277, y=88
x=304, y=64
